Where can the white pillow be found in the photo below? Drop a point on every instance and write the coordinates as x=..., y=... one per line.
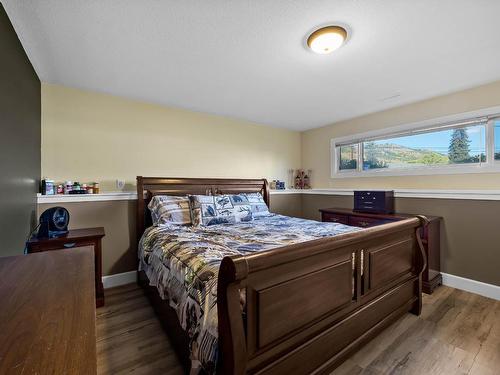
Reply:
x=169, y=209
x=259, y=206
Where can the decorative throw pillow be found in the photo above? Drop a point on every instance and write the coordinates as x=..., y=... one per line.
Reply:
x=259, y=206
x=169, y=209
x=219, y=209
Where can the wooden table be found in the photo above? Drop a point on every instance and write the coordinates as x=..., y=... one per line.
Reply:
x=76, y=238
x=47, y=314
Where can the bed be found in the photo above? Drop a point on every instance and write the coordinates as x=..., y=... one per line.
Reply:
x=301, y=302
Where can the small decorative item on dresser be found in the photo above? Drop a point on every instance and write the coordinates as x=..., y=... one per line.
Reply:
x=300, y=179
x=47, y=187
x=96, y=188
x=303, y=179
x=290, y=179
x=307, y=179
x=76, y=238
x=68, y=185
x=376, y=201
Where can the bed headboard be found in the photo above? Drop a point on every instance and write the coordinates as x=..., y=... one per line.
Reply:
x=147, y=187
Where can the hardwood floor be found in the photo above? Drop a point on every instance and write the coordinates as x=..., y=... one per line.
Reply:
x=457, y=333
x=130, y=338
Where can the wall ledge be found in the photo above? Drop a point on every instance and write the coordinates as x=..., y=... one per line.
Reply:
x=489, y=195
x=105, y=196
x=419, y=193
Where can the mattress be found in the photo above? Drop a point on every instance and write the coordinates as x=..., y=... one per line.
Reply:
x=182, y=262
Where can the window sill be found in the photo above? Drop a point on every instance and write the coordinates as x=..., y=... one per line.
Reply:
x=427, y=171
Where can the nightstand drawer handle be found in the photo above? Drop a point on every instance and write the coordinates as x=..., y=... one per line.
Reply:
x=69, y=245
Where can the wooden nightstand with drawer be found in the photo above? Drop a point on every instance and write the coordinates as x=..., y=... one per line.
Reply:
x=76, y=238
x=431, y=277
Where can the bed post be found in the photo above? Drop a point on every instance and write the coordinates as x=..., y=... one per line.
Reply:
x=232, y=338
x=139, y=221
x=421, y=263
x=140, y=208
x=266, y=193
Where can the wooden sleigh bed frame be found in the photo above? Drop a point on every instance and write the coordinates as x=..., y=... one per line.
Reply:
x=306, y=310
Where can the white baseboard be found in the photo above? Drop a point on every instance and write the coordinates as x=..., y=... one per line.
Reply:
x=119, y=279
x=473, y=286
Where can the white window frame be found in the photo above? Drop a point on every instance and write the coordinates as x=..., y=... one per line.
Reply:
x=490, y=166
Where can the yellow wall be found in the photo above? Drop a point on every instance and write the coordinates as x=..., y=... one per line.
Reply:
x=316, y=142
x=88, y=136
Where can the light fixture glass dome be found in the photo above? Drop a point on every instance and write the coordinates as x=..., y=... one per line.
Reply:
x=327, y=39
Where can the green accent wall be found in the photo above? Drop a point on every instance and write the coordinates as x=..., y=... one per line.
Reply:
x=20, y=129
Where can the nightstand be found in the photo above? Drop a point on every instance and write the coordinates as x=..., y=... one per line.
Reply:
x=431, y=278
x=76, y=238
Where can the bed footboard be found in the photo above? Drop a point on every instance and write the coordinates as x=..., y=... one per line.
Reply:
x=309, y=305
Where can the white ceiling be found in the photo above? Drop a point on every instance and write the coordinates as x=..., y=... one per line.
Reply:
x=246, y=59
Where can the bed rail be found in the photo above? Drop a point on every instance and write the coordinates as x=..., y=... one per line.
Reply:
x=309, y=305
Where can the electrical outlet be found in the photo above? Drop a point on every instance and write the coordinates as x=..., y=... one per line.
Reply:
x=120, y=184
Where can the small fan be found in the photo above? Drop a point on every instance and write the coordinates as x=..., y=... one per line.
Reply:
x=53, y=222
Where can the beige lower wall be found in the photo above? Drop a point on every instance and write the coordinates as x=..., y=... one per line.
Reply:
x=469, y=234
x=88, y=136
x=470, y=238
x=287, y=204
x=119, y=219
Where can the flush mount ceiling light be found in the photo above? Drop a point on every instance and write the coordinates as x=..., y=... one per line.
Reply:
x=327, y=39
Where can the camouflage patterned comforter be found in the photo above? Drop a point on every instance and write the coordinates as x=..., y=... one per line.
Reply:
x=183, y=262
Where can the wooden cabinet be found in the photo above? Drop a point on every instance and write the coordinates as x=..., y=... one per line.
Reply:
x=431, y=277
x=76, y=238
x=47, y=318
x=335, y=218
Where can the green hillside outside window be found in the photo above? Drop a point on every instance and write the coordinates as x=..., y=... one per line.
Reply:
x=461, y=145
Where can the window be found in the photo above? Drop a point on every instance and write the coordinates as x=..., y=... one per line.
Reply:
x=348, y=157
x=458, y=147
x=496, y=123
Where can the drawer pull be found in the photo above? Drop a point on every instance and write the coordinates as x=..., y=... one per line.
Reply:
x=69, y=245
x=364, y=223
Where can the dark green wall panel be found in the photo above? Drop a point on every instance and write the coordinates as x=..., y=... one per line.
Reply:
x=19, y=140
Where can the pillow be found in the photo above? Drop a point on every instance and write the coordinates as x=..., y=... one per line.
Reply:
x=259, y=206
x=220, y=209
x=168, y=209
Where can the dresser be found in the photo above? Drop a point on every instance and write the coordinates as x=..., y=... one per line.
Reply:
x=47, y=318
x=431, y=237
x=76, y=238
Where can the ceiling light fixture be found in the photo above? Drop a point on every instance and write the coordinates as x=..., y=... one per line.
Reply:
x=327, y=39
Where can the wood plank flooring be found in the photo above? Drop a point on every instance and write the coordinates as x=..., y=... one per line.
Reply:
x=457, y=333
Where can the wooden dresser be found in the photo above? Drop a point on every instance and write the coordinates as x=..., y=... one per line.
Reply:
x=76, y=238
x=47, y=318
x=431, y=277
